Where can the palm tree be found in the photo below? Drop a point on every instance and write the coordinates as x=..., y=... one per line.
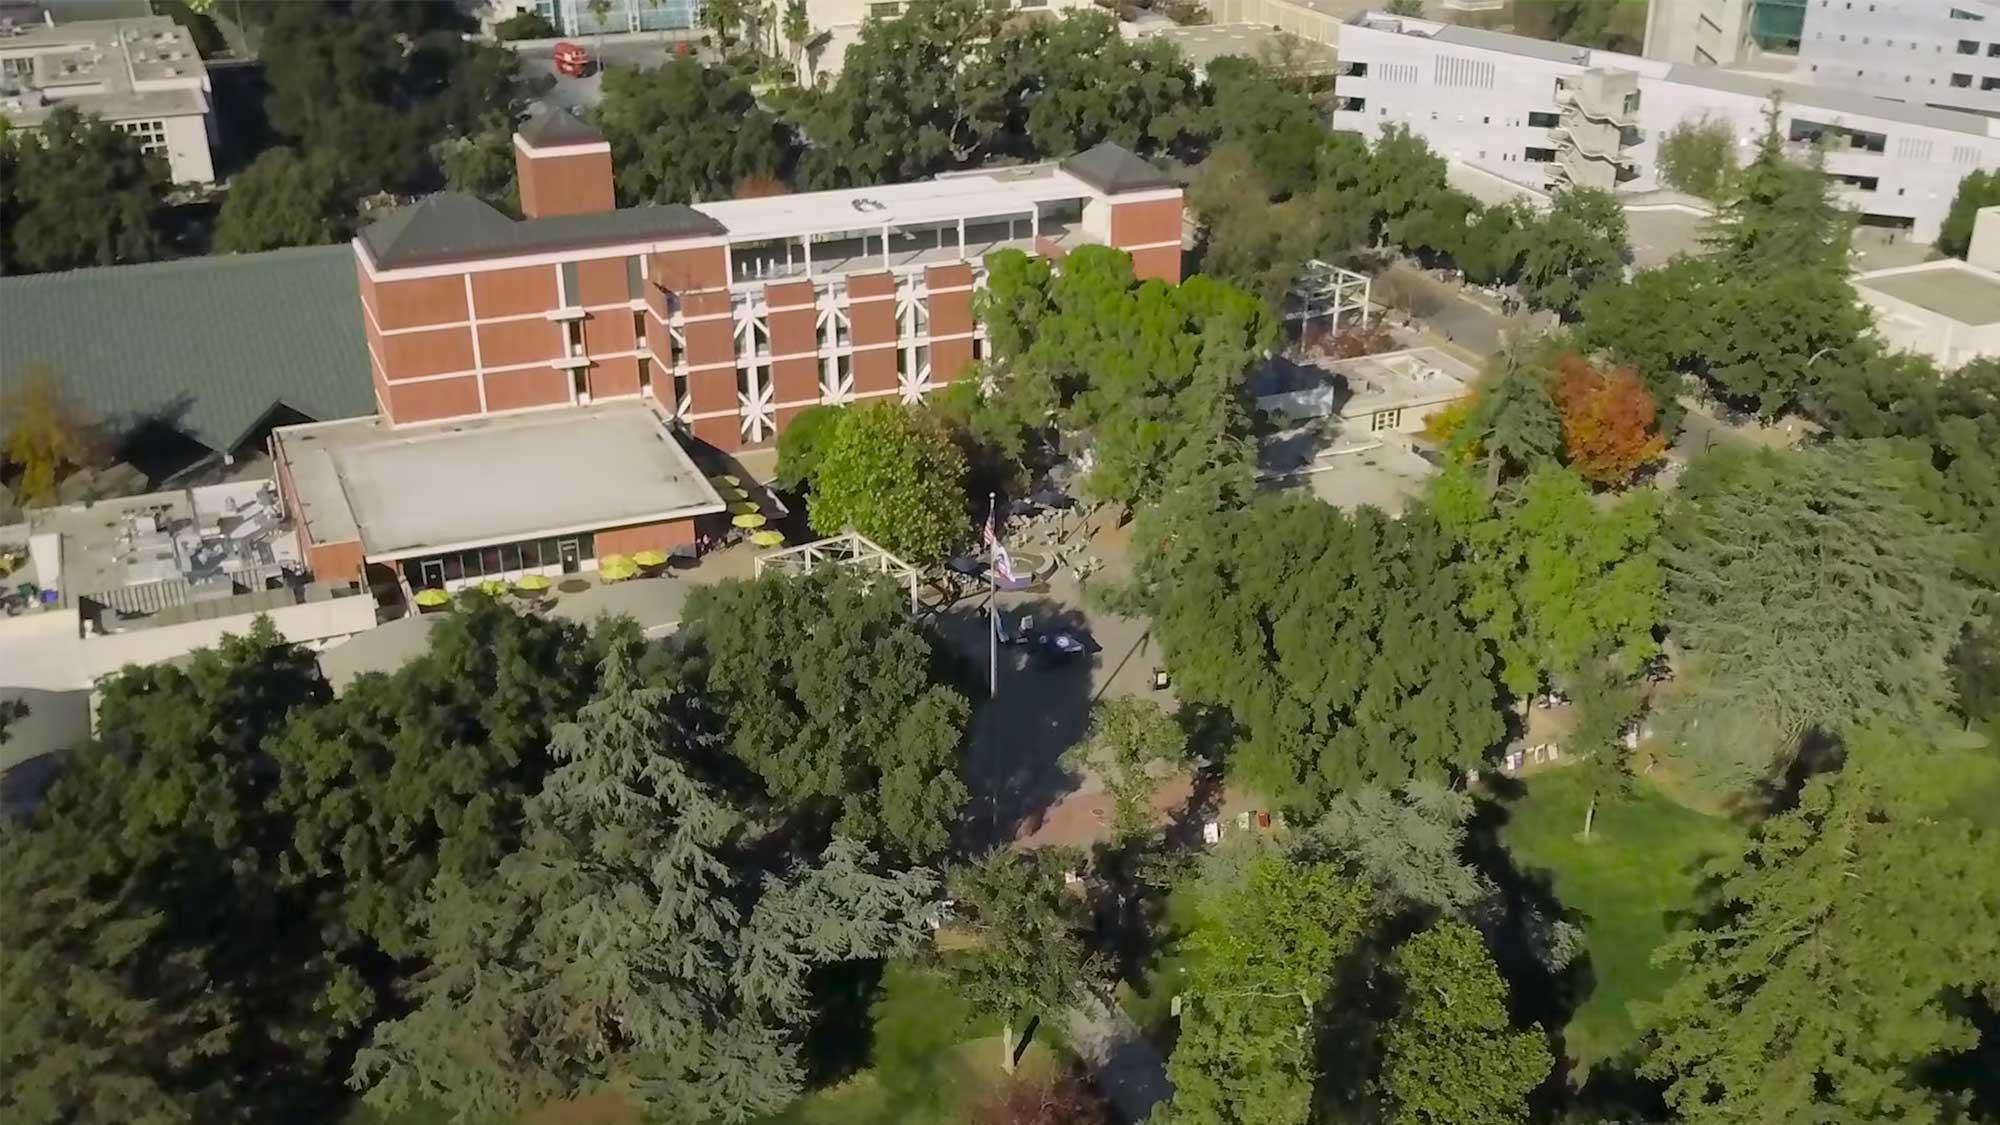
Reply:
x=722, y=17
x=798, y=30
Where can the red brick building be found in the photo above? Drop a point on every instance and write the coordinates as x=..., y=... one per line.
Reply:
x=726, y=319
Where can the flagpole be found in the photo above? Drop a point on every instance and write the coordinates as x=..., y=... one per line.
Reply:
x=992, y=608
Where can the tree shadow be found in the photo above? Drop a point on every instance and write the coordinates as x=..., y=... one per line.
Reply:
x=1013, y=766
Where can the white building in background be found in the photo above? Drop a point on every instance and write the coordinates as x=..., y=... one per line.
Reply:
x=1948, y=310
x=1548, y=115
x=143, y=75
x=1710, y=32
x=1928, y=52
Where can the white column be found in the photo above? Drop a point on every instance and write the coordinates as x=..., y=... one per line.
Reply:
x=885, y=246
x=961, y=238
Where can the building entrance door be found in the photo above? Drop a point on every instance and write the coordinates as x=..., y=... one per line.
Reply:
x=432, y=572
x=572, y=555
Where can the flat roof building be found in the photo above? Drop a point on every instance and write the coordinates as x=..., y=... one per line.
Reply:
x=534, y=378
x=142, y=75
x=1948, y=310
x=1550, y=115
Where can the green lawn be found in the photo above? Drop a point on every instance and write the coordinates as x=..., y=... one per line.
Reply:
x=1638, y=870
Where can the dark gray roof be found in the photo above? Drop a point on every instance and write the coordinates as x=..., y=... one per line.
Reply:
x=451, y=226
x=56, y=721
x=207, y=346
x=1112, y=169
x=555, y=127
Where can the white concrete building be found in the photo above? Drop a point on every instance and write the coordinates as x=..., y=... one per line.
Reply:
x=1928, y=52
x=1710, y=32
x=1948, y=310
x=1547, y=115
x=1985, y=248
x=144, y=76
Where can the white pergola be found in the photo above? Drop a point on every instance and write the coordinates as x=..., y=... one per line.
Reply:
x=850, y=549
x=1326, y=290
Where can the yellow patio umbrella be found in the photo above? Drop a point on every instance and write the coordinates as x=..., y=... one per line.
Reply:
x=650, y=558
x=431, y=598
x=731, y=481
x=748, y=520
x=532, y=583
x=737, y=493
x=617, y=569
x=608, y=561
x=493, y=587
x=742, y=508
x=769, y=537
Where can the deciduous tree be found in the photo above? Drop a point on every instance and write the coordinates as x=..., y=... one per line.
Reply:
x=79, y=193
x=422, y=771
x=1336, y=642
x=160, y=966
x=1698, y=156
x=46, y=433
x=1261, y=958
x=1133, y=744
x=1451, y=1055
x=1558, y=583
x=1607, y=421
x=1978, y=189
x=281, y=199
x=685, y=132
x=1579, y=243
x=893, y=474
x=1027, y=957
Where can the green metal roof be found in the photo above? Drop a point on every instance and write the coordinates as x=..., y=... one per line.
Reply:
x=207, y=346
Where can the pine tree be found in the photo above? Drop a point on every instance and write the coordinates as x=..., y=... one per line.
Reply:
x=627, y=941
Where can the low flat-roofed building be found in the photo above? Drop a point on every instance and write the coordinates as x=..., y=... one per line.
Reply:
x=141, y=75
x=458, y=503
x=143, y=579
x=1391, y=392
x=1948, y=310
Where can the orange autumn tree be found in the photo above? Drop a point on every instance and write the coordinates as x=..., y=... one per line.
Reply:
x=1608, y=420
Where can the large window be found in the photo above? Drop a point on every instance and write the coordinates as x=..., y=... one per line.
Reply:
x=152, y=135
x=1544, y=120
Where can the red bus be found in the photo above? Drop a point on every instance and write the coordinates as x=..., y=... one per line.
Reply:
x=572, y=60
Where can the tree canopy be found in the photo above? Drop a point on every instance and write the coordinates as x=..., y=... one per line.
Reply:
x=1978, y=189
x=1786, y=1008
x=1812, y=589
x=77, y=192
x=1262, y=956
x=829, y=694
x=1337, y=643
x=1452, y=1056
x=892, y=473
x=685, y=132
x=1027, y=956
x=627, y=939
x=282, y=199
x=1155, y=374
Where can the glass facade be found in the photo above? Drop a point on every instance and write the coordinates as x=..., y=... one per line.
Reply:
x=557, y=554
x=574, y=17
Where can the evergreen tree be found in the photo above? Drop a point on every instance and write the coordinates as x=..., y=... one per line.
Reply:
x=1827, y=985
x=831, y=696
x=627, y=942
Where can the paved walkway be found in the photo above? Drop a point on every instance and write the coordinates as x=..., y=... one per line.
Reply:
x=1127, y=1068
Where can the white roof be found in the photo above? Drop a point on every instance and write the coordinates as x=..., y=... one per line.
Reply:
x=456, y=485
x=866, y=208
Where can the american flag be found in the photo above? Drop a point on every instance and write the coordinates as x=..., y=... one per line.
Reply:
x=1002, y=565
